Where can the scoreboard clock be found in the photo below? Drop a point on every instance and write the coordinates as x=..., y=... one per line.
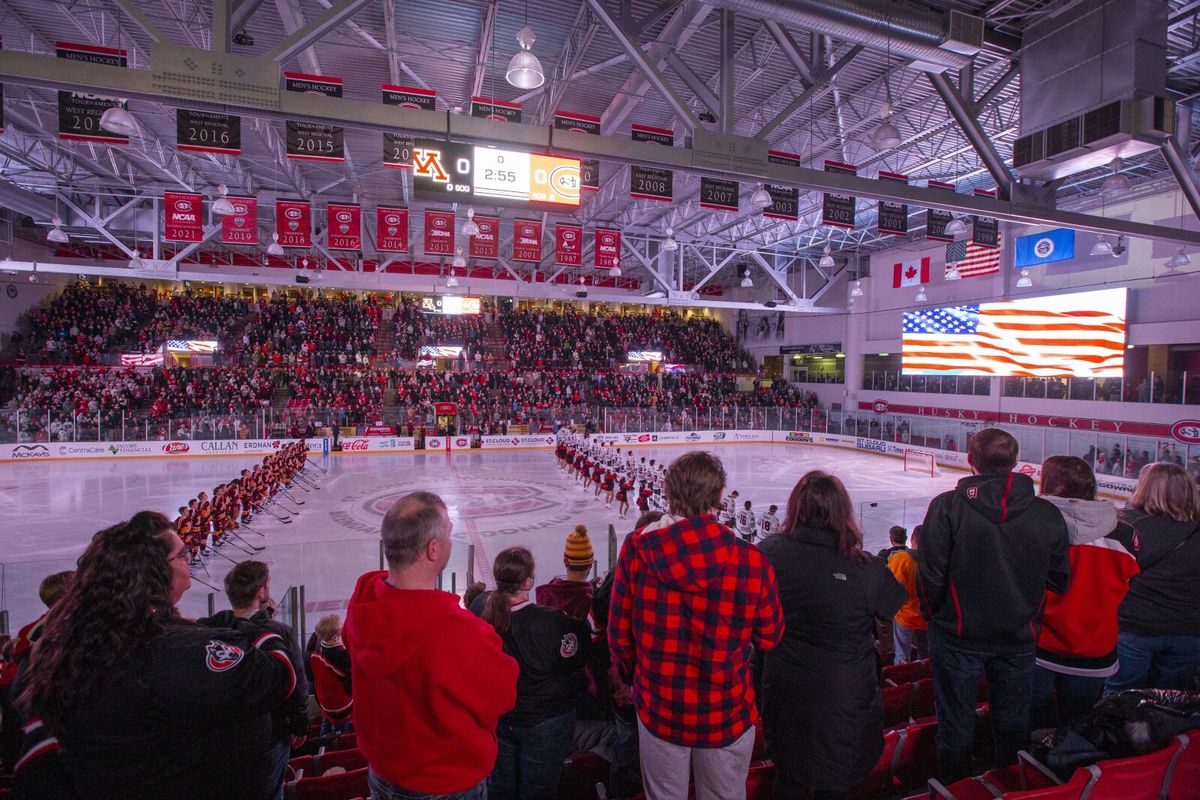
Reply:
x=463, y=172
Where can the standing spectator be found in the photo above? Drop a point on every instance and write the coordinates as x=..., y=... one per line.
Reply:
x=572, y=594
x=329, y=663
x=430, y=679
x=248, y=588
x=1077, y=648
x=897, y=535
x=822, y=706
x=550, y=648
x=1159, y=620
x=909, y=628
x=688, y=601
x=989, y=550
x=50, y=591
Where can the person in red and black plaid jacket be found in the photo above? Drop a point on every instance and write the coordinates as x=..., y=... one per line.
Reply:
x=688, y=602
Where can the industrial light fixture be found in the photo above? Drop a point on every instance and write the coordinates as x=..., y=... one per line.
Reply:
x=119, y=121
x=451, y=280
x=57, y=234
x=222, y=206
x=669, y=244
x=746, y=282
x=1116, y=184
x=458, y=260
x=524, y=70
x=856, y=289
x=887, y=135
x=1180, y=259
x=470, y=227
x=33, y=274
x=136, y=262
x=615, y=272
x=956, y=228
x=826, y=261
x=275, y=248
x=921, y=296
x=760, y=198
x=1024, y=282
x=953, y=274
x=1102, y=247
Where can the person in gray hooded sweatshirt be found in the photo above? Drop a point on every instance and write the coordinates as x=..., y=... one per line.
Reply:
x=1077, y=647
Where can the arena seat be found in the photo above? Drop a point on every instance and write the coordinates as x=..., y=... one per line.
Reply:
x=342, y=786
x=1135, y=778
x=1183, y=776
x=1074, y=789
x=916, y=759
x=346, y=741
x=907, y=673
x=580, y=775
x=897, y=704
x=922, y=704
x=347, y=759
x=881, y=781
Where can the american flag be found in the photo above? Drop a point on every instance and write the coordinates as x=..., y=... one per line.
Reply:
x=973, y=259
x=191, y=346
x=1081, y=334
x=154, y=359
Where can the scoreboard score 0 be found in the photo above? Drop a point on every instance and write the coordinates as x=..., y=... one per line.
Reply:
x=463, y=172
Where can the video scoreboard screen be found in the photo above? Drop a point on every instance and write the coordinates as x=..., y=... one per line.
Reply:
x=464, y=172
x=451, y=305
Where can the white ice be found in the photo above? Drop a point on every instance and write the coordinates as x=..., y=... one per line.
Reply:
x=497, y=499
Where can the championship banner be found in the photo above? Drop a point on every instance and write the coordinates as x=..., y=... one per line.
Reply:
x=391, y=230
x=410, y=97
x=589, y=168
x=785, y=200
x=838, y=210
x=208, y=132
x=312, y=141
x=495, y=110
x=398, y=151
x=344, y=225
x=937, y=220
x=241, y=227
x=293, y=223
x=568, y=245
x=439, y=233
x=79, y=113
x=486, y=243
x=986, y=230
x=606, y=252
x=651, y=183
x=527, y=241
x=182, y=217
x=718, y=194
x=893, y=217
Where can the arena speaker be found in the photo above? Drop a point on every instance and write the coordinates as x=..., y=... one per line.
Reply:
x=581, y=294
x=301, y=279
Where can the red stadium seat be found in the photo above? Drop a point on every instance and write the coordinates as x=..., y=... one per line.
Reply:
x=923, y=705
x=329, y=787
x=1135, y=778
x=1073, y=789
x=1184, y=775
x=580, y=776
x=347, y=759
x=347, y=741
x=906, y=673
x=916, y=760
x=897, y=704
x=881, y=781
x=966, y=789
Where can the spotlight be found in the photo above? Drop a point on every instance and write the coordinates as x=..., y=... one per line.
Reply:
x=1180, y=259
x=953, y=274
x=760, y=198
x=856, y=290
x=956, y=228
x=746, y=282
x=244, y=39
x=886, y=136
x=118, y=120
x=669, y=244
x=1102, y=247
x=1116, y=184
x=615, y=272
x=1024, y=282
x=57, y=234
x=222, y=206
x=524, y=70
x=826, y=261
x=921, y=296
x=458, y=260
x=470, y=227
x=275, y=248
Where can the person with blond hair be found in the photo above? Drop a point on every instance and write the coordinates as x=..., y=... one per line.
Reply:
x=1158, y=642
x=332, y=682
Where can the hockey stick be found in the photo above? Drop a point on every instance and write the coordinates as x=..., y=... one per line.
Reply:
x=284, y=520
x=246, y=547
x=307, y=480
x=206, y=583
x=279, y=502
x=247, y=527
x=255, y=547
x=292, y=497
x=227, y=558
x=315, y=464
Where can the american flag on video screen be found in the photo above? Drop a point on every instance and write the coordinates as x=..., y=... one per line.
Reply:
x=972, y=259
x=1015, y=340
x=191, y=346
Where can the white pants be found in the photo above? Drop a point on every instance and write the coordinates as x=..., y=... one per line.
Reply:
x=720, y=772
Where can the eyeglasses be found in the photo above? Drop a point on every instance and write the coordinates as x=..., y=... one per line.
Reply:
x=183, y=556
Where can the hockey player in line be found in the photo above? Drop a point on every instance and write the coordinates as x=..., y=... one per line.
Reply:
x=769, y=524
x=745, y=523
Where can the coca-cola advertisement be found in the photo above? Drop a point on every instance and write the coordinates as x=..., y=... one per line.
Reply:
x=360, y=445
x=391, y=234
x=439, y=233
x=527, y=240
x=345, y=226
x=486, y=243
x=241, y=227
x=182, y=218
x=607, y=253
x=293, y=222
x=568, y=245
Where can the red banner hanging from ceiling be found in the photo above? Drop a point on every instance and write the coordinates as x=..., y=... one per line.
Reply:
x=241, y=227
x=607, y=251
x=527, y=240
x=182, y=217
x=568, y=245
x=293, y=223
x=345, y=226
x=439, y=232
x=486, y=243
x=391, y=230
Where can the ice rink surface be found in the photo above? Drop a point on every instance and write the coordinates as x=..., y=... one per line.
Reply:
x=497, y=499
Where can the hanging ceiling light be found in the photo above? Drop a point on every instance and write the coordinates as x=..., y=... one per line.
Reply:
x=458, y=260
x=953, y=274
x=524, y=70
x=1117, y=184
x=746, y=282
x=856, y=290
x=669, y=244
x=615, y=272
x=451, y=280
x=826, y=261
x=1180, y=259
x=136, y=262
x=1024, y=282
x=222, y=206
x=1102, y=247
x=275, y=248
x=119, y=121
x=760, y=198
x=887, y=135
x=921, y=296
x=57, y=234
x=470, y=227
x=956, y=228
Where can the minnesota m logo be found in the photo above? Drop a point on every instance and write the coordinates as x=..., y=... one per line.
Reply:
x=428, y=164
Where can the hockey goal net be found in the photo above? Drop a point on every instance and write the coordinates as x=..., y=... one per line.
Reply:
x=920, y=462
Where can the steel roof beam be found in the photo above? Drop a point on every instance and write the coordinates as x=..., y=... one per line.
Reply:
x=690, y=79
x=964, y=113
x=308, y=34
x=487, y=29
x=823, y=85
x=144, y=22
x=1181, y=167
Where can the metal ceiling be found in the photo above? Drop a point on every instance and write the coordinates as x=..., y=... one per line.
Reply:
x=461, y=47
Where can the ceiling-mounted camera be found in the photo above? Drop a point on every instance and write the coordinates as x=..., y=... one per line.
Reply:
x=244, y=39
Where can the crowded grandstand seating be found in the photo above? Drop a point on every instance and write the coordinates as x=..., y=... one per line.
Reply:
x=82, y=321
x=311, y=329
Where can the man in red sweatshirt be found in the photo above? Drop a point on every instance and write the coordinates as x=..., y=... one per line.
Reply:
x=430, y=679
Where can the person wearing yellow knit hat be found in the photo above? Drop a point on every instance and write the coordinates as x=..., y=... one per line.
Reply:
x=572, y=594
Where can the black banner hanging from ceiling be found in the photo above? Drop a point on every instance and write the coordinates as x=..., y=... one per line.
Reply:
x=785, y=200
x=79, y=113
x=985, y=230
x=397, y=150
x=839, y=210
x=652, y=183
x=208, y=132
x=589, y=168
x=718, y=194
x=893, y=217
x=495, y=110
x=312, y=141
x=936, y=220
x=410, y=97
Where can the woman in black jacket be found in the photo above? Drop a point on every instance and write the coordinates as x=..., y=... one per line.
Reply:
x=1158, y=643
x=822, y=706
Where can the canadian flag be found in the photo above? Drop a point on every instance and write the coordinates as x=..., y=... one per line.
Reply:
x=910, y=273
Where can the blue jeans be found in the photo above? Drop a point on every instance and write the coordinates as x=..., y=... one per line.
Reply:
x=1155, y=662
x=530, y=760
x=1076, y=695
x=903, y=640
x=280, y=749
x=382, y=790
x=956, y=671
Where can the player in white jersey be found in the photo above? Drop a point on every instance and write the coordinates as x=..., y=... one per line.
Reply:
x=745, y=522
x=769, y=524
x=727, y=515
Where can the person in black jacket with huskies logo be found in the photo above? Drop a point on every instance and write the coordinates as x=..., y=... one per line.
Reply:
x=123, y=698
x=989, y=552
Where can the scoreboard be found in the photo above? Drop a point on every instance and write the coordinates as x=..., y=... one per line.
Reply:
x=463, y=172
